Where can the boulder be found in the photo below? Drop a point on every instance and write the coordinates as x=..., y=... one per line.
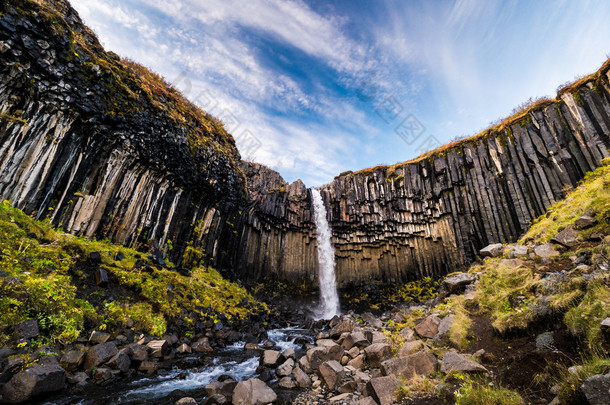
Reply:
x=346, y=325
x=72, y=360
x=316, y=356
x=459, y=362
x=376, y=336
x=411, y=347
x=407, y=334
x=136, y=352
x=102, y=375
x=377, y=353
x=216, y=399
x=186, y=401
x=421, y=363
x=383, y=389
x=270, y=358
x=566, y=237
x=157, y=348
x=148, y=366
x=301, y=378
x=98, y=337
x=27, y=329
x=493, y=250
x=605, y=325
x=120, y=361
x=332, y=372
x=428, y=328
x=354, y=339
x=99, y=354
x=365, y=401
x=34, y=381
x=372, y=320
x=333, y=350
x=357, y=362
x=518, y=251
x=285, y=368
x=597, y=389
x=457, y=283
x=287, y=382
x=444, y=327
x=253, y=392
x=546, y=251
x=584, y=221
x=289, y=354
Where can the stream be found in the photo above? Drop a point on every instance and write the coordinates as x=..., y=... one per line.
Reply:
x=232, y=360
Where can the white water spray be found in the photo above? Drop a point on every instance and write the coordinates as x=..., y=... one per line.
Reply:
x=329, y=299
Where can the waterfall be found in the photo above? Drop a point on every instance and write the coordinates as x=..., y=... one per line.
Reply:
x=329, y=299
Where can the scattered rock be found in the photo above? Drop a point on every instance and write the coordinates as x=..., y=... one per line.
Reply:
x=428, y=328
x=377, y=353
x=545, y=341
x=186, y=401
x=407, y=334
x=253, y=392
x=120, y=361
x=346, y=325
x=493, y=250
x=357, y=362
x=355, y=339
x=597, y=389
x=421, y=363
x=366, y=401
x=216, y=399
x=332, y=372
x=546, y=251
x=102, y=375
x=27, y=329
x=285, y=368
x=383, y=389
x=372, y=320
x=459, y=362
x=157, y=348
x=411, y=347
x=444, y=327
x=301, y=378
x=287, y=382
x=34, y=381
x=605, y=325
x=566, y=238
x=72, y=360
x=518, y=251
x=97, y=337
x=457, y=283
x=316, y=356
x=184, y=348
x=270, y=358
x=584, y=221
x=99, y=354
x=148, y=366
x=101, y=277
x=333, y=350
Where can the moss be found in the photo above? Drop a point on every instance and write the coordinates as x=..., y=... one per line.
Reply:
x=13, y=119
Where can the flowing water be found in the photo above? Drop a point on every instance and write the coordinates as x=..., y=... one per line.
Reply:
x=231, y=360
x=329, y=299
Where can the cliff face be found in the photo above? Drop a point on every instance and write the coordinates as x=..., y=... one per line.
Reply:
x=101, y=146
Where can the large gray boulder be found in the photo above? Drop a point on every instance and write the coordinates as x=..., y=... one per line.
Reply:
x=34, y=381
x=270, y=358
x=456, y=284
x=597, y=389
x=459, y=362
x=99, y=354
x=584, y=221
x=566, y=238
x=253, y=392
x=493, y=250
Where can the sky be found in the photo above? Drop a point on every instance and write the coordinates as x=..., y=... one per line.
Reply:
x=314, y=88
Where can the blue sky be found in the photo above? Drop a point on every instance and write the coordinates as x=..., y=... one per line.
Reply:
x=314, y=88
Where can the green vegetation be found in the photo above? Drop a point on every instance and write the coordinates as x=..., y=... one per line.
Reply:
x=387, y=296
x=48, y=277
x=481, y=393
x=584, y=319
x=13, y=119
x=570, y=379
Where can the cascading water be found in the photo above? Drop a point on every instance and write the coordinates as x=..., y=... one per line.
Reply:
x=329, y=299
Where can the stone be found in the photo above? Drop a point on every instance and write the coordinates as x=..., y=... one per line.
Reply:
x=339, y=397
x=317, y=356
x=136, y=352
x=353, y=352
x=493, y=250
x=102, y=375
x=372, y=320
x=444, y=327
x=349, y=387
x=346, y=325
x=77, y=378
x=333, y=350
x=407, y=334
x=186, y=401
x=253, y=347
x=100, y=354
x=215, y=387
x=96, y=257
x=287, y=382
x=411, y=347
x=101, y=277
x=148, y=366
x=428, y=328
x=157, y=348
x=365, y=401
x=285, y=368
x=518, y=251
x=203, y=346
x=421, y=363
x=304, y=365
x=546, y=251
x=270, y=358
x=383, y=389
x=33, y=382
x=184, y=348
x=289, y=354
x=216, y=399
x=354, y=339
x=332, y=372
x=459, y=362
x=605, y=325
x=376, y=337
x=98, y=337
x=457, y=283
x=544, y=341
x=377, y=353
x=253, y=392
x=120, y=361
x=567, y=237
x=597, y=389
x=357, y=362
x=584, y=222
x=27, y=329
x=301, y=377
x=72, y=360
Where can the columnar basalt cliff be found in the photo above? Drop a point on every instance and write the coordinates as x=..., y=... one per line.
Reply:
x=103, y=147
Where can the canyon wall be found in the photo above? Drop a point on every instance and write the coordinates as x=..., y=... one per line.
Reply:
x=104, y=148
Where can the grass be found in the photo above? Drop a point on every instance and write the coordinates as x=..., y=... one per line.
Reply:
x=459, y=333
x=48, y=277
x=475, y=392
x=571, y=379
x=584, y=319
